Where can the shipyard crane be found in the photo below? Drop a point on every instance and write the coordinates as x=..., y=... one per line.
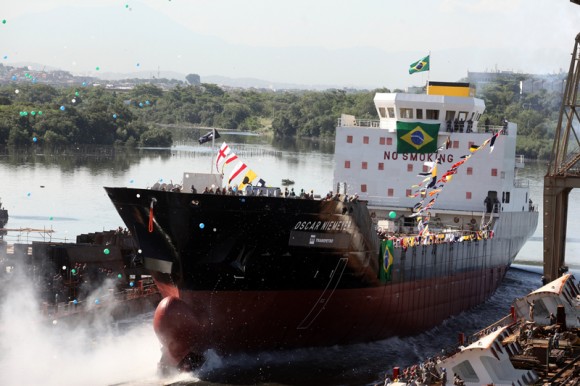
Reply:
x=563, y=172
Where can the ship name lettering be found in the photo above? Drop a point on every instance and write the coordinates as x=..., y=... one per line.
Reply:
x=423, y=157
x=308, y=225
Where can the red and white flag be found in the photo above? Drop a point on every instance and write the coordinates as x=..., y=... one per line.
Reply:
x=240, y=167
x=222, y=154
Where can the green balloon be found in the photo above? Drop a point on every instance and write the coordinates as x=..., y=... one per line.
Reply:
x=392, y=214
x=106, y=251
x=3, y=21
x=40, y=113
x=119, y=276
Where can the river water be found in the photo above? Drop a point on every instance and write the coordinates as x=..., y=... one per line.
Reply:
x=63, y=192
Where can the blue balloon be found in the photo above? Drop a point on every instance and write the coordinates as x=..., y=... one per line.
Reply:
x=97, y=301
x=75, y=301
x=62, y=108
x=147, y=103
x=14, y=77
x=34, y=139
x=140, y=104
x=131, y=284
x=201, y=225
x=114, y=116
x=84, y=83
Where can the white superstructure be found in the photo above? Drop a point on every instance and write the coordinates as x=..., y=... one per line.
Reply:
x=367, y=161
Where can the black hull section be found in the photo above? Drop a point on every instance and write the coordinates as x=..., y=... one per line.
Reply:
x=214, y=242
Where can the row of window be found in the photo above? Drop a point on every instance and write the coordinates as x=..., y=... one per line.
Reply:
x=381, y=166
x=430, y=114
x=408, y=192
x=389, y=141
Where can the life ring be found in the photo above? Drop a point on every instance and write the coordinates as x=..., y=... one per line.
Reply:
x=456, y=220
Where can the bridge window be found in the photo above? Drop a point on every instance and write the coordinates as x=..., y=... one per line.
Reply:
x=382, y=112
x=391, y=112
x=449, y=115
x=405, y=113
x=419, y=113
x=432, y=114
x=466, y=371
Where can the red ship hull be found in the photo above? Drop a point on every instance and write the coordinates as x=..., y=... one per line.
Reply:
x=191, y=322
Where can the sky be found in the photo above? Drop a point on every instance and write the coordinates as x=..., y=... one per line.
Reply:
x=339, y=43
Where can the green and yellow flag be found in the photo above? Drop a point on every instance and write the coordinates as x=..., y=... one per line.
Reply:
x=386, y=259
x=419, y=65
x=417, y=137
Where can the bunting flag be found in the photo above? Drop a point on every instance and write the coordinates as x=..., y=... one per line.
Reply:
x=438, y=185
x=231, y=158
x=240, y=167
x=419, y=65
x=248, y=178
x=417, y=137
x=223, y=152
x=387, y=258
x=261, y=182
x=492, y=142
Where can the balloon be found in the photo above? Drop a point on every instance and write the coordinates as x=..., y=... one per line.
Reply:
x=392, y=214
x=201, y=225
x=75, y=301
x=73, y=271
x=131, y=284
x=119, y=276
x=40, y=113
x=34, y=139
x=34, y=80
x=138, y=65
x=3, y=21
x=64, y=267
x=140, y=104
x=5, y=56
x=16, y=91
x=73, y=100
x=28, y=194
x=84, y=83
x=62, y=108
x=51, y=218
x=131, y=181
x=106, y=251
x=97, y=301
x=147, y=103
x=14, y=77
x=33, y=113
x=114, y=116
x=76, y=93
x=97, y=68
x=139, y=251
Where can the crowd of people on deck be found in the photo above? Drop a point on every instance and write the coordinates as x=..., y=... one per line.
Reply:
x=424, y=373
x=435, y=238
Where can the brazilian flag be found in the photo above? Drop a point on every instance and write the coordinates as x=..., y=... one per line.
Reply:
x=417, y=137
x=386, y=258
x=419, y=65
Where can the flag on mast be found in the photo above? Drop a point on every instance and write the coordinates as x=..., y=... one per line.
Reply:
x=420, y=65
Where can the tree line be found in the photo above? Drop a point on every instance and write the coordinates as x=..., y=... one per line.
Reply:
x=139, y=117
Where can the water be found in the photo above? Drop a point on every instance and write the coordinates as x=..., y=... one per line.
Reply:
x=64, y=192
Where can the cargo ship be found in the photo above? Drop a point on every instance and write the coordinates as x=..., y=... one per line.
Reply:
x=426, y=214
